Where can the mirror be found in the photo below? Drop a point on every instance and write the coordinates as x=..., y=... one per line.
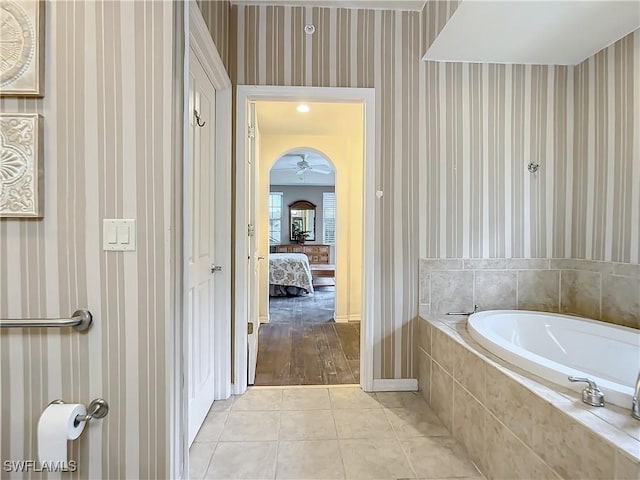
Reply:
x=302, y=221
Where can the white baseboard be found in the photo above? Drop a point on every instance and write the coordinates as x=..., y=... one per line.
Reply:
x=263, y=318
x=341, y=318
x=395, y=385
x=354, y=318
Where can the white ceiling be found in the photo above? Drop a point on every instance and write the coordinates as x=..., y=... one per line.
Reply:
x=533, y=32
x=322, y=119
x=282, y=118
x=284, y=170
x=413, y=5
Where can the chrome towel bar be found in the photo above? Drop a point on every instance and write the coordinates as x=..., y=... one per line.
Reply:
x=80, y=320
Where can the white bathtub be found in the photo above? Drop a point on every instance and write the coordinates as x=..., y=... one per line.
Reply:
x=554, y=346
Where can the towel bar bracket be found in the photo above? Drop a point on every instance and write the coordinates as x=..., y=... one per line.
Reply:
x=86, y=320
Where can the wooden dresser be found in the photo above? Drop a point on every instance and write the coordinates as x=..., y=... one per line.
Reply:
x=318, y=254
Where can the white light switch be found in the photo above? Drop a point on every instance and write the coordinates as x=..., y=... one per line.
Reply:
x=119, y=234
x=123, y=235
x=111, y=235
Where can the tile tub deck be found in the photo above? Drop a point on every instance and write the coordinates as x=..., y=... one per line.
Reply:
x=513, y=424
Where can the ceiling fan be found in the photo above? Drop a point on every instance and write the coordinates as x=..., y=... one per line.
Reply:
x=304, y=166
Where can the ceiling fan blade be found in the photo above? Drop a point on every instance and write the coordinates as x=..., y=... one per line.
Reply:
x=301, y=172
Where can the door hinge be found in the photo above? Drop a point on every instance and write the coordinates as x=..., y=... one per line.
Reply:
x=249, y=328
x=216, y=268
x=251, y=131
x=251, y=230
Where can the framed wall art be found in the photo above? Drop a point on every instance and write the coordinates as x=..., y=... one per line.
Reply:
x=21, y=165
x=22, y=48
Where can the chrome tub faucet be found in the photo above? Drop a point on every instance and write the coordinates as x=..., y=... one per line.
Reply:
x=591, y=395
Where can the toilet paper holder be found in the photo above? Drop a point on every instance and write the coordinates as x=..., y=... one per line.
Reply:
x=98, y=408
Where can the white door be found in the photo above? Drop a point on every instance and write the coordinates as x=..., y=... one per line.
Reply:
x=252, y=254
x=199, y=245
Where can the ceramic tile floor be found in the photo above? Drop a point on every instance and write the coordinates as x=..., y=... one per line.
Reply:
x=325, y=433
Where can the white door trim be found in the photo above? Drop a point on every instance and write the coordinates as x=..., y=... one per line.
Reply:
x=370, y=265
x=199, y=39
x=203, y=47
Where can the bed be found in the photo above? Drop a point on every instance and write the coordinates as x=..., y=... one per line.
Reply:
x=289, y=275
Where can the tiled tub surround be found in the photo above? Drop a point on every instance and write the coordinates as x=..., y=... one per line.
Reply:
x=513, y=424
x=599, y=290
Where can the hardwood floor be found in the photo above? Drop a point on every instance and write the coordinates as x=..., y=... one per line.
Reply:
x=302, y=345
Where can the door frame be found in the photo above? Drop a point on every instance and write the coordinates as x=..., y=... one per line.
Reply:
x=371, y=218
x=202, y=43
x=198, y=38
x=203, y=47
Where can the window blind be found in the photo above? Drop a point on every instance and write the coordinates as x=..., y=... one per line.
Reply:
x=275, y=218
x=329, y=218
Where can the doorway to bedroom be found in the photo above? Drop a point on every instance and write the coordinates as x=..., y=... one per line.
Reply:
x=309, y=237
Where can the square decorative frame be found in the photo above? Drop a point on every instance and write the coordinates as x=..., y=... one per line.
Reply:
x=22, y=52
x=21, y=165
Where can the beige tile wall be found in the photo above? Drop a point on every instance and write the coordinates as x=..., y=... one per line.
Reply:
x=448, y=285
x=513, y=427
x=600, y=290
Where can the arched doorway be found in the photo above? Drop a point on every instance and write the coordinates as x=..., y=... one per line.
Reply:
x=302, y=343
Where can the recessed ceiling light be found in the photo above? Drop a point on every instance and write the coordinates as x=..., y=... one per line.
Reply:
x=303, y=108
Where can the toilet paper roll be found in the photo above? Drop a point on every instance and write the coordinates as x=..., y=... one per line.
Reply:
x=55, y=428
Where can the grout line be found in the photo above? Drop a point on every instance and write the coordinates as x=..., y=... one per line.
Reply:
x=338, y=439
x=560, y=306
x=206, y=470
x=406, y=455
x=473, y=290
x=275, y=466
x=600, y=297
x=393, y=429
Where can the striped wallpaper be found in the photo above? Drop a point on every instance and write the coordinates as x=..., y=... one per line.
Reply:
x=358, y=48
x=217, y=16
x=606, y=188
x=108, y=114
x=435, y=15
x=484, y=124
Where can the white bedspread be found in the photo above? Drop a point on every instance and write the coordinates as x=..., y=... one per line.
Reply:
x=290, y=269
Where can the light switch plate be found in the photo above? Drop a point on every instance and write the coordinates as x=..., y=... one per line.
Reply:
x=119, y=234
